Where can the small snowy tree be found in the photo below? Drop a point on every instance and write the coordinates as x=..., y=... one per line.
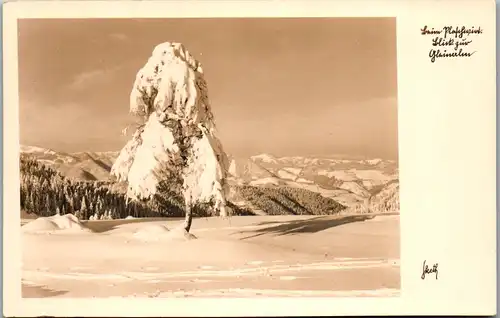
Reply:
x=47, y=204
x=83, y=209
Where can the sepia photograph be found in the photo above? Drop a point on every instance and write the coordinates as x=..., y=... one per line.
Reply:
x=209, y=157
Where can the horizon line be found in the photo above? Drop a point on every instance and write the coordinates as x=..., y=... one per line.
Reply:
x=339, y=156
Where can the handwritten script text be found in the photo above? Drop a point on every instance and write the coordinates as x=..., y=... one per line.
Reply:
x=451, y=41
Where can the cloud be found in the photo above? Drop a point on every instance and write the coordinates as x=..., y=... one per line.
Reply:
x=92, y=77
x=118, y=36
x=82, y=79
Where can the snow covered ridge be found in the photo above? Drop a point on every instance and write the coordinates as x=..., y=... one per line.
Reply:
x=171, y=95
x=301, y=160
x=265, y=157
x=34, y=149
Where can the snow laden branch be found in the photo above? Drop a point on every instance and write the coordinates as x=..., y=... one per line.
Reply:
x=177, y=142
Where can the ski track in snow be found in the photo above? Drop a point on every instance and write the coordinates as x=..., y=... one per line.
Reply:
x=246, y=292
x=206, y=272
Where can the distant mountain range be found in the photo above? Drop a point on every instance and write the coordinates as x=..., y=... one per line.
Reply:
x=87, y=166
x=351, y=182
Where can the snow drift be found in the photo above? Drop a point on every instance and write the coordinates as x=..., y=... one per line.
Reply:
x=67, y=222
x=160, y=232
x=170, y=94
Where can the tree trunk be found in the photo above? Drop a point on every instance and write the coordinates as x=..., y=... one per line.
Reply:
x=189, y=218
x=223, y=210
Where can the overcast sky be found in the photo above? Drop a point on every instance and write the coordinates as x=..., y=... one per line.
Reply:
x=281, y=86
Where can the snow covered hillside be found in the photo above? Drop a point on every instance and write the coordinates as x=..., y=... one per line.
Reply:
x=351, y=182
x=283, y=256
x=86, y=166
x=348, y=181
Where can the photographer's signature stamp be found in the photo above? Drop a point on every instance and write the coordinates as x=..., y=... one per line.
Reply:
x=426, y=270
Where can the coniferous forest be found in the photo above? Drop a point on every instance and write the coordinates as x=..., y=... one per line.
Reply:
x=287, y=200
x=45, y=192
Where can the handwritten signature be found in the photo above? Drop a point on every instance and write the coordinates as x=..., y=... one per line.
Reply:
x=427, y=270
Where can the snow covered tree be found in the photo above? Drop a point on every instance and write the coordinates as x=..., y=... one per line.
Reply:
x=47, y=205
x=83, y=209
x=71, y=205
x=170, y=94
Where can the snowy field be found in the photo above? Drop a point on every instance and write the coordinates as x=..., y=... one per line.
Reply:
x=257, y=256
